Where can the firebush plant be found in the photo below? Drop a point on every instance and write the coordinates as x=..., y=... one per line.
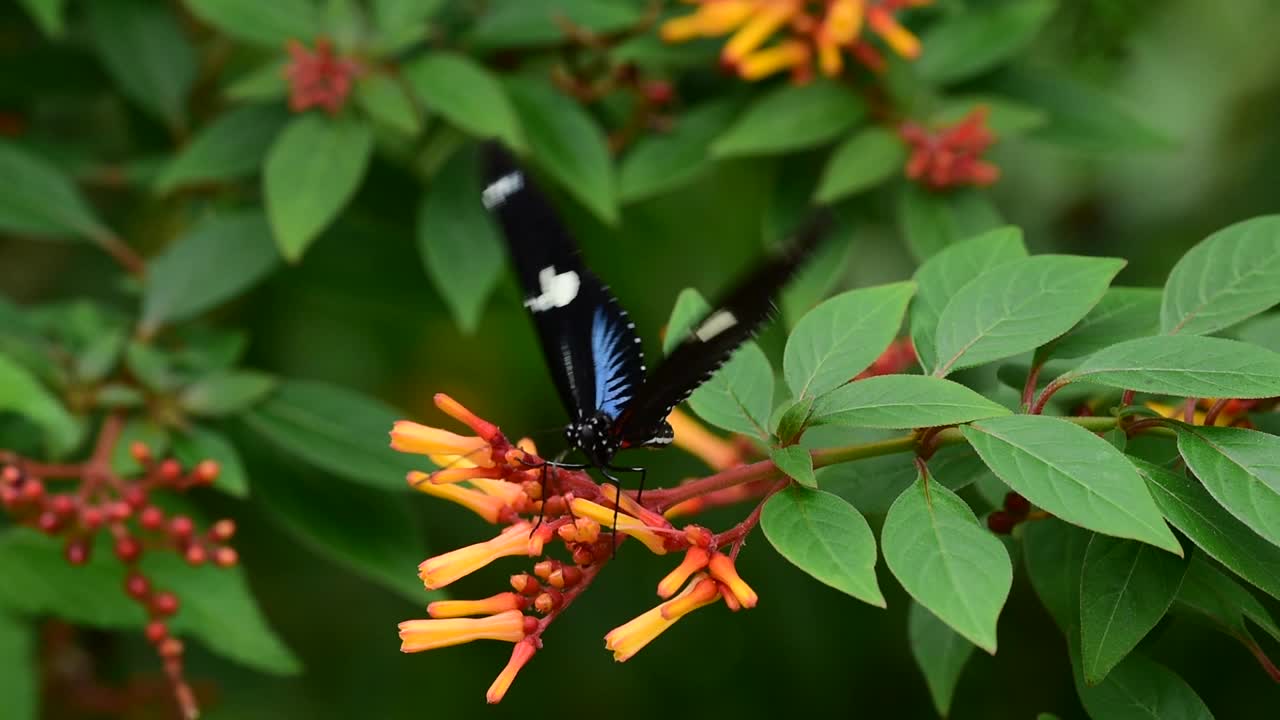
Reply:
x=997, y=413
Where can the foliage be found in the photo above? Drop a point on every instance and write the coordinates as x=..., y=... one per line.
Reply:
x=981, y=415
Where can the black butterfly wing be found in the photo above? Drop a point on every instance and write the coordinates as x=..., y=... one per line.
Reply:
x=589, y=343
x=733, y=320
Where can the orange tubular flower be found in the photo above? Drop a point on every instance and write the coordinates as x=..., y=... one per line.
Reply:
x=419, y=635
x=490, y=507
x=502, y=602
x=627, y=640
x=693, y=438
x=444, y=447
x=441, y=570
x=770, y=36
x=519, y=656
x=694, y=560
x=722, y=569
x=627, y=524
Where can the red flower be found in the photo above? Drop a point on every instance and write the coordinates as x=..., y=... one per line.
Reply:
x=318, y=78
x=950, y=156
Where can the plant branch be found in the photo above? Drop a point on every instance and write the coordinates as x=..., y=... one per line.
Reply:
x=120, y=251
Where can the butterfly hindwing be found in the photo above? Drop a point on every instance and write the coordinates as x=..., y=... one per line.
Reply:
x=711, y=341
x=589, y=343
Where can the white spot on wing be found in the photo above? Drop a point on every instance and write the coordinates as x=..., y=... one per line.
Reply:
x=714, y=325
x=558, y=289
x=501, y=189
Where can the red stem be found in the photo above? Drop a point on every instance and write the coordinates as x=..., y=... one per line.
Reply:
x=1029, y=388
x=1189, y=411
x=739, y=532
x=666, y=498
x=1211, y=416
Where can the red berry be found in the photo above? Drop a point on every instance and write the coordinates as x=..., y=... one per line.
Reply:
x=226, y=557
x=49, y=522
x=9, y=496
x=77, y=552
x=91, y=518
x=1016, y=504
x=659, y=92
x=128, y=549
x=151, y=518
x=1001, y=522
x=207, y=471
x=181, y=527
x=170, y=470
x=140, y=452
x=10, y=474
x=137, y=586
x=64, y=505
x=223, y=530
x=135, y=497
x=171, y=648
x=157, y=631
x=164, y=604
x=119, y=510
x=196, y=555
x=32, y=490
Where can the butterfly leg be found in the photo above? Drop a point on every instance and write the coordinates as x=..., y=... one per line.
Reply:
x=617, y=484
x=643, y=473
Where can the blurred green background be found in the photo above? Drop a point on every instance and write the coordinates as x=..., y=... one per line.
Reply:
x=359, y=312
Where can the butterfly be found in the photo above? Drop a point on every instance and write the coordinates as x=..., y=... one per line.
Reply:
x=588, y=340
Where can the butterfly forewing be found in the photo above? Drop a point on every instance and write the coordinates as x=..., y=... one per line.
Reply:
x=589, y=342
x=711, y=341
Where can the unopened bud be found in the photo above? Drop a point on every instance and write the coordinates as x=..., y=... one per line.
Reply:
x=151, y=518
x=225, y=557
x=128, y=549
x=140, y=452
x=157, y=631
x=170, y=470
x=525, y=584
x=223, y=530
x=207, y=471
x=196, y=555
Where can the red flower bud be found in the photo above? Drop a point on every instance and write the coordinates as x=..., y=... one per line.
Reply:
x=181, y=527
x=164, y=604
x=196, y=555
x=1001, y=522
x=157, y=631
x=128, y=549
x=77, y=551
x=137, y=586
x=151, y=518
x=225, y=557
x=1016, y=505
x=49, y=522
x=64, y=505
x=170, y=470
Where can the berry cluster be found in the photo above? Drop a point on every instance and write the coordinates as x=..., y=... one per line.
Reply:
x=96, y=500
x=1016, y=509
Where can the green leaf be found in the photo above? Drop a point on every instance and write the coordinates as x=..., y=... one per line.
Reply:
x=226, y=393
x=387, y=103
x=263, y=84
x=230, y=147
x=824, y=536
x=197, y=443
x=21, y=393
x=1005, y=117
x=864, y=161
x=1239, y=468
x=940, y=653
x=1073, y=474
x=332, y=427
x=1122, y=314
x=217, y=607
x=661, y=163
x=1231, y=275
x=739, y=396
x=179, y=284
x=950, y=564
x=39, y=200
x=312, y=170
x=378, y=536
x=841, y=337
x=458, y=241
x=150, y=367
x=400, y=23
x=568, y=144
x=50, y=15
x=536, y=23
x=1054, y=554
x=19, y=656
x=793, y=420
x=146, y=53
x=1081, y=116
x=791, y=118
x=942, y=276
x=1142, y=689
x=1262, y=331
x=1125, y=588
x=796, y=462
x=263, y=23
x=1184, y=365
x=903, y=401
x=1191, y=509
x=931, y=221
x=969, y=43
x=1018, y=306
x=1211, y=594
x=466, y=94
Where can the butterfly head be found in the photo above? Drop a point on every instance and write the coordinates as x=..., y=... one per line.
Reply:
x=594, y=438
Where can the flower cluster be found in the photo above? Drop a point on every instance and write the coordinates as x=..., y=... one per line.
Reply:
x=951, y=156
x=543, y=507
x=94, y=499
x=319, y=78
x=805, y=31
